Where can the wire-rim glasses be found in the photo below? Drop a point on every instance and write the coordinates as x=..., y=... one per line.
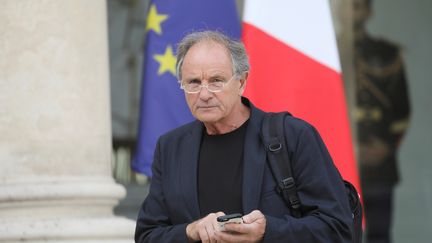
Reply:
x=194, y=86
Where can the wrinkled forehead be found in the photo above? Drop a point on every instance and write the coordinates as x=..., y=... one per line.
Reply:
x=207, y=55
x=208, y=47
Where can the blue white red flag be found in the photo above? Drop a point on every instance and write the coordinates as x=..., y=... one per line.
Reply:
x=295, y=67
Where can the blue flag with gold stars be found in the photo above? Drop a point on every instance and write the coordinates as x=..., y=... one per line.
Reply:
x=163, y=105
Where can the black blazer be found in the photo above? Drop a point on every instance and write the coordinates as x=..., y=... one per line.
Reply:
x=172, y=202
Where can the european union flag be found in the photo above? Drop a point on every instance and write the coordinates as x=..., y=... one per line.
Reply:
x=163, y=106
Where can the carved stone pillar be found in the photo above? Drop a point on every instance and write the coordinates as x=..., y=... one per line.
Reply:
x=55, y=129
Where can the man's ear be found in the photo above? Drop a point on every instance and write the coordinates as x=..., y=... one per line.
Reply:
x=243, y=81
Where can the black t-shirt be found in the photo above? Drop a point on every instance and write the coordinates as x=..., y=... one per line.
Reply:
x=220, y=172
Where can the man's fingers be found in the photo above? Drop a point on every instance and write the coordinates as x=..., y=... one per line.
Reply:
x=208, y=226
x=211, y=233
x=225, y=236
x=252, y=217
x=216, y=226
x=236, y=228
x=203, y=235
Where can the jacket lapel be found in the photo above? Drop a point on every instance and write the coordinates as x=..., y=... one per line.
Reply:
x=188, y=169
x=254, y=162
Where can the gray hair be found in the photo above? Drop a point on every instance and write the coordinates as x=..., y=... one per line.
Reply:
x=239, y=57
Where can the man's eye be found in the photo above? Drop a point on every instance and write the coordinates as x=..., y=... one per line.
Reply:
x=194, y=81
x=217, y=80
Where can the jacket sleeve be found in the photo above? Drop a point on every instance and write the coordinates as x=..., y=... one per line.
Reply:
x=327, y=216
x=153, y=223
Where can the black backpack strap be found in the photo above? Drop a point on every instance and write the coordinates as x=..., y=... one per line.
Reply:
x=273, y=135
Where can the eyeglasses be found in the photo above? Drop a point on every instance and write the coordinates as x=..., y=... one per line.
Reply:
x=194, y=86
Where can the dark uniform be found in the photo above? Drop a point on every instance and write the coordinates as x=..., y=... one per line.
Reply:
x=382, y=114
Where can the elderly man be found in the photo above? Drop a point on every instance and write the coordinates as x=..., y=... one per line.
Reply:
x=216, y=165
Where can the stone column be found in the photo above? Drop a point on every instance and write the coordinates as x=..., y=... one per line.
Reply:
x=343, y=19
x=55, y=125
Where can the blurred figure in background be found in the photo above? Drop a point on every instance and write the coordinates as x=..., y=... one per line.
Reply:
x=382, y=116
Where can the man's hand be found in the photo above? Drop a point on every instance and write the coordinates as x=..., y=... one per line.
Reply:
x=252, y=229
x=204, y=229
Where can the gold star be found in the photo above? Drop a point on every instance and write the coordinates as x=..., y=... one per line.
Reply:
x=167, y=61
x=154, y=20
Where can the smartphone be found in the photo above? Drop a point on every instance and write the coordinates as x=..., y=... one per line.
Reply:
x=234, y=218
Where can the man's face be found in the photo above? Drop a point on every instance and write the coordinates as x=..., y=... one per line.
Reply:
x=205, y=62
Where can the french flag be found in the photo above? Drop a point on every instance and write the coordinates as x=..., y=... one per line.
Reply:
x=295, y=67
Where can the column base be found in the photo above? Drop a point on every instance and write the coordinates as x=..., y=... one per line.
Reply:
x=91, y=230
x=62, y=209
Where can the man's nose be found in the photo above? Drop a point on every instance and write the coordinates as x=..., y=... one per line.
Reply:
x=204, y=93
